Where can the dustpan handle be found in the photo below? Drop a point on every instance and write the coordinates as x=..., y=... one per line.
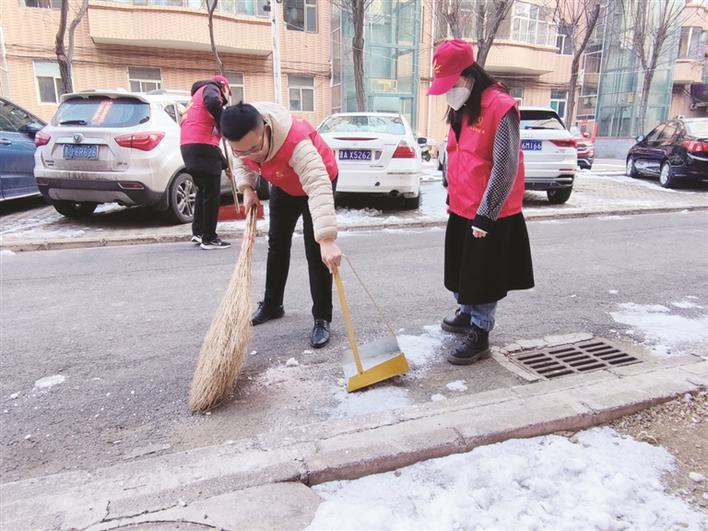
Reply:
x=371, y=297
x=348, y=320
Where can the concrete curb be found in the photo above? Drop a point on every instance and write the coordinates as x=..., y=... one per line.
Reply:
x=345, y=448
x=78, y=243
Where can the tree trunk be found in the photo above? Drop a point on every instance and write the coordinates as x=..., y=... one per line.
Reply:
x=572, y=89
x=219, y=63
x=358, y=53
x=60, y=51
x=644, y=102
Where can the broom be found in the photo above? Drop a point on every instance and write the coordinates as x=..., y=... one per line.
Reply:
x=224, y=348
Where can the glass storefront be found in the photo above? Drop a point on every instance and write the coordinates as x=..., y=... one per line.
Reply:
x=391, y=43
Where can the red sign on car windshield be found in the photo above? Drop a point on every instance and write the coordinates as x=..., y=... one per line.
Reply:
x=101, y=112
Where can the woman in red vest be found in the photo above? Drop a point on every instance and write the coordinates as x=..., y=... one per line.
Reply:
x=487, y=249
x=269, y=141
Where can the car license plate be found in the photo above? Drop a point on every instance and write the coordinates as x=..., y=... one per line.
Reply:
x=531, y=145
x=80, y=152
x=354, y=154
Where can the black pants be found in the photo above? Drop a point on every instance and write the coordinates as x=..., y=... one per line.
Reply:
x=285, y=210
x=204, y=163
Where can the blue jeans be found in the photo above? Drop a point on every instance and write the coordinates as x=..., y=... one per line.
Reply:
x=482, y=315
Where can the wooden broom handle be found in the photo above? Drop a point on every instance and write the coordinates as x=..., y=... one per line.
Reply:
x=232, y=180
x=348, y=320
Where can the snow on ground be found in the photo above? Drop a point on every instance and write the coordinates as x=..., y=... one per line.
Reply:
x=370, y=400
x=666, y=333
x=457, y=385
x=6, y=252
x=600, y=481
x=49, y=381
x=422, y=350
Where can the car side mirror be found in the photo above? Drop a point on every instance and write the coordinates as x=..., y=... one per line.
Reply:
x=422, y=140
x=640, y=138
x=30, y=129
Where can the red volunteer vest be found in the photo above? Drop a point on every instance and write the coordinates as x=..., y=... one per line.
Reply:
x=278, y=172
x=470, y=159
x=198, y=125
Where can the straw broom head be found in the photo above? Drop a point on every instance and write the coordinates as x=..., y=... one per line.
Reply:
x=224, y=349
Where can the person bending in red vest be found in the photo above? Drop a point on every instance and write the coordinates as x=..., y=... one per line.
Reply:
x=487, y=249
x=268, y=141
x=203, y=158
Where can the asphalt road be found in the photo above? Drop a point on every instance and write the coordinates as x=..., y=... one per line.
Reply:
x=124, y=325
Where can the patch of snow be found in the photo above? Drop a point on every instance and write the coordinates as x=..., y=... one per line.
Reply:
x=666, y=333
x=423, y=349
x=611, y=218
x=685, y=305
x=438, y=397
x=49, y=381
x=14, y=396
x=458, y=385
x=603, y=482
x=254, y=352
x=370, y=400
x=613, y=292
x=696, y=477
x=6, y=252
x=292, y=362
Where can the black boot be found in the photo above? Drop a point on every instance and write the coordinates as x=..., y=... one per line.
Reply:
x=474, y=348
x=266, y=313
x=320, y=334
x=457, y=324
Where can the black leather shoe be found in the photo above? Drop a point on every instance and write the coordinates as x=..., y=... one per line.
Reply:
x=320, y=334
x=266, y=313
x=459, y=323
x=474, y=348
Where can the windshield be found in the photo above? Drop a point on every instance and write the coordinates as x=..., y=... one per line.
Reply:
x=364, y=124
x=102, y=111
x=540, y=120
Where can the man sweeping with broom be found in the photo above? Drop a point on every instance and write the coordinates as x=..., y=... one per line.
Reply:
x=302, y=171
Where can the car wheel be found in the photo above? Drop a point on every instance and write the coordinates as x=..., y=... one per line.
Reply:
x=71, y=209
x=631, y=170
x=558, y=197
x=411, y=203
x=666, y=176
x=182, y=197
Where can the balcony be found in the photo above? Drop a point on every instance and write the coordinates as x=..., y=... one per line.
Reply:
x=177, y=28
x=518, y=58
x=687, y=72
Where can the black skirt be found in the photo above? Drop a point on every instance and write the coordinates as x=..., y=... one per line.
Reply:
x=483, y=270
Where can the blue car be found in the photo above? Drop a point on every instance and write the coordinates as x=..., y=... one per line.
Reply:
x=17, y=131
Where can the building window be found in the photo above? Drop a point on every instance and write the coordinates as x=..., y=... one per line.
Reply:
x=249, y=8
x=301, y=92
x=559, y=101
x=144, y=79
x=690, y=45
x=55, y=4
x=237, y=87
x=48, y=81
x=300, y=15
x=530, y=24
x=564, y=39
x=518, y=94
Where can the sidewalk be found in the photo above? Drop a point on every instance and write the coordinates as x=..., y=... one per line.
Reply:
x=602, y=191
x=263, y=482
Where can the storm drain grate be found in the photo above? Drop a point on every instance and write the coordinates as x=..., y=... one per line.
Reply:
x=573, y=358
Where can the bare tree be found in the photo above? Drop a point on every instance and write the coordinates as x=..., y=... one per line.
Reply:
x=211, y=7
x=577, y=19
x=482, y=16
x=356, y=11
x=648, y=25
x=64, y=53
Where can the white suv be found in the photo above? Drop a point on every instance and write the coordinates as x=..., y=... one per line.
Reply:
x=550, y=156
x=105, y=146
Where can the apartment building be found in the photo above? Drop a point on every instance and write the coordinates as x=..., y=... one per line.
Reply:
x=143, y=45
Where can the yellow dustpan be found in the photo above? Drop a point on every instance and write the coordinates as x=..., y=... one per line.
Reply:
x=373, y=362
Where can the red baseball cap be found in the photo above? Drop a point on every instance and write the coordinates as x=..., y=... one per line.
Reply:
x=221, y=80
x=449, y=60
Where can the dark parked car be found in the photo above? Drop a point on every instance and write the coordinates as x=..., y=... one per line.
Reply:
x=17, y=131
x=674, y=151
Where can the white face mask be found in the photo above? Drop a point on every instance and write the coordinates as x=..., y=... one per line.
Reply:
x=457, y=96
